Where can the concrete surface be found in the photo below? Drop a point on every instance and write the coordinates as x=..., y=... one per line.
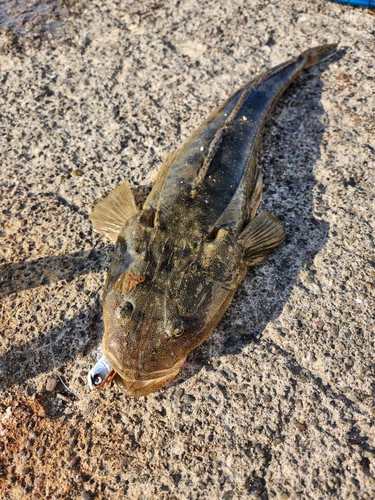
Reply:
x=279, y=402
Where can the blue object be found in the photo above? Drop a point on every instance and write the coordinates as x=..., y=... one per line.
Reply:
x=370, y=4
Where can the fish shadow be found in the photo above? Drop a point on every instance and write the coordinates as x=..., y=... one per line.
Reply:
x=54, y=347
x=25, y=275
x=289, y=153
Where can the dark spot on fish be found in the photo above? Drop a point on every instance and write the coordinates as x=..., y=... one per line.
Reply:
x=121, y=246
x=147, y=217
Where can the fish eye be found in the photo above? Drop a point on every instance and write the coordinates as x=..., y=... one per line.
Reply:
x=124, y=311
x=177, y=328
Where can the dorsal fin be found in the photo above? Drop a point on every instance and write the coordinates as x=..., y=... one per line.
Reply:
x=216, y=142
x=111, y=214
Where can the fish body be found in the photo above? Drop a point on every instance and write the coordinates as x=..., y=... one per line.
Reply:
x=179, y=259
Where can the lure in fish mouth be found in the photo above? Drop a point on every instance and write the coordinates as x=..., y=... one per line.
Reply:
x=178, y=260
x=102, y=375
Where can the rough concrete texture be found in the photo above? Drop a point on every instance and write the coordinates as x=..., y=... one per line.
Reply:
x=279, y=402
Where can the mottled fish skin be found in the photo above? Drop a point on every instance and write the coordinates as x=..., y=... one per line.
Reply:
x=178, y=261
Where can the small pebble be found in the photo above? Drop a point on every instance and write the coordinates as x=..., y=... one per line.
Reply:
x=308, y=280
x=354, y=482
x=77, y=173
x=228, y=495
x=228, y=373
x=41, y=451
x=75, y=462
x=25, y=471
x=26, y=456
x=51, y=384
x=334, y=330
x=179, y=393
x=284, y=495
x=87, y=495
x=304, y=377
x=267, y=430
x=39, y=480
x=310, y=356
x=301, y=427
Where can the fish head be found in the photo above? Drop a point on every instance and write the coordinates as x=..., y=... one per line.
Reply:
x=146, y=340
x=159, y=307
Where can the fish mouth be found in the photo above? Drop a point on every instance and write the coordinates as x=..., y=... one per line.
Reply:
x=135, y=384
x=138, y=388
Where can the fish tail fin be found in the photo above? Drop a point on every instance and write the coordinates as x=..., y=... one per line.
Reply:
x=318, y=54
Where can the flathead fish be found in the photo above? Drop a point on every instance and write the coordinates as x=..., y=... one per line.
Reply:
x=179, y=259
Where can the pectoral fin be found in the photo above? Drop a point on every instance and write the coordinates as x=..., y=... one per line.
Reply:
x=261, y=236
x=111, y=214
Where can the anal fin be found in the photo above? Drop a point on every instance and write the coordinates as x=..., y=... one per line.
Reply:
x=111, y=214
x=260, y=237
